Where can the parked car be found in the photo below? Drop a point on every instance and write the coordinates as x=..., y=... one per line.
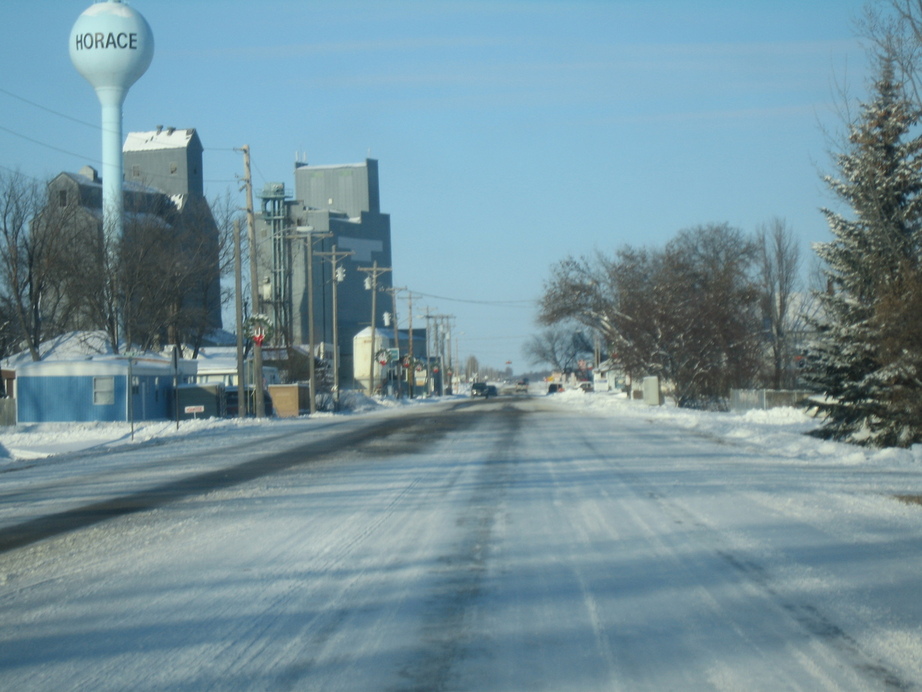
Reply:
x=554, y=387
x=483, y=389
x=479, y=389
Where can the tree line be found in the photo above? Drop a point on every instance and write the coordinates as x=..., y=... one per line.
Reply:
x=715, y=308
x=699, y=312
x=155, y=285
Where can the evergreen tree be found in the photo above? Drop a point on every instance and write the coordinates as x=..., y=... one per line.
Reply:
x=875, y=251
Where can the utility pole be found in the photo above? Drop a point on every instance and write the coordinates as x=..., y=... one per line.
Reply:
x=442, y=328
x=259, y=403
x=338, y=275
x=371, y=283
x=411, y=370
x=451, y=363
x=429, y=383
x=394, y=290
x=238, y=313
x=310, y=236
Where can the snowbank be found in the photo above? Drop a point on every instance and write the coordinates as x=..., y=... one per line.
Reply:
x=40, y=440
x=783, y=431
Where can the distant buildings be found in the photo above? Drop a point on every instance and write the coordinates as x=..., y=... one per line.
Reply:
x=168, y=160
x=164, y=192
x=340, y=207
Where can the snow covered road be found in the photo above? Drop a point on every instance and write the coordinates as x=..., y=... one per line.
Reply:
x=509, y=544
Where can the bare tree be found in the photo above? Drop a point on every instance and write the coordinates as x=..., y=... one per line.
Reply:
x=151, y=272
x=170, y=265
x=471, y=367
x=687, y=313
x=778, y=270
x=894, y=27
x=21, y=289
x=35, y=249
x=561, y=346
x=714, y=340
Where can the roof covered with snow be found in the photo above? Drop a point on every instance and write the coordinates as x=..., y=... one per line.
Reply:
x=169, y=138
x=72, y=346
x=69, y=346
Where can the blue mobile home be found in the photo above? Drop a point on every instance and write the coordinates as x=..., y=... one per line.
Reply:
x=96, y=389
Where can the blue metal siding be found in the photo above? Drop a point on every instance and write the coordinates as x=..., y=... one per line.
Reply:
x=64, y=399
x=152, y=397
x=57, y=399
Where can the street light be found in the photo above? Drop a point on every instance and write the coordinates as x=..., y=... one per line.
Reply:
x=339, y=274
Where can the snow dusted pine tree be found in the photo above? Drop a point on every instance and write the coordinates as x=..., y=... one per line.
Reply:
x=867, y=369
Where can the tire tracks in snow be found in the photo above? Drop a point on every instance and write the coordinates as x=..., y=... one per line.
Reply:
x=810, y=619
x=168, y=492
x=324, y=624
x=446, y=634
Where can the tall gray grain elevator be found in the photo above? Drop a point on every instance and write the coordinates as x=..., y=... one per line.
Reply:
x=169, y=160
x=344, y=202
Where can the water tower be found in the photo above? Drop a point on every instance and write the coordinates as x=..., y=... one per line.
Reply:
x=111, y=45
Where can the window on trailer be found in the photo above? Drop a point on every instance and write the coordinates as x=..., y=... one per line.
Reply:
x=103, y=391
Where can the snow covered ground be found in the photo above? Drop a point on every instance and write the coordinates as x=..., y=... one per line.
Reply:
x=41, y=440
x=579, y=541
x=780, y=430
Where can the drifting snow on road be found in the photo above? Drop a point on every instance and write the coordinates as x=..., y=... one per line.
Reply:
x=508, y=544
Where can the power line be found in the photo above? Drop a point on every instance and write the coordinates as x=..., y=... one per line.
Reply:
x=95, y=126
x=48, y=146
x=501, y=303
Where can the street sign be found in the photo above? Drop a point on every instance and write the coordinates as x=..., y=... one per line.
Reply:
x=194, y=409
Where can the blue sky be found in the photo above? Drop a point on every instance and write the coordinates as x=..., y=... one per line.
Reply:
x=509, y=133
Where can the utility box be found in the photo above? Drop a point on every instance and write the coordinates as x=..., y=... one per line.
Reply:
x=290, y=400
x=8, y=411
x=652, y=393
x=200, y=401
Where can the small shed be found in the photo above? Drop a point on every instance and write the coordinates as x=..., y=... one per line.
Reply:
x=7, y=402
x=97, y=389
x=199, y=401
x=290, y=400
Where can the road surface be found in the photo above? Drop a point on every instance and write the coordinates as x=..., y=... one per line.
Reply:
x=507, y=544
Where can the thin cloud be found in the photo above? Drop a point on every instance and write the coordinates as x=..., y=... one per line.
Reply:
x=272, y=52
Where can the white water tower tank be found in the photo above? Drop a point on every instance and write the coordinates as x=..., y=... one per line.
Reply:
x=111, y=45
